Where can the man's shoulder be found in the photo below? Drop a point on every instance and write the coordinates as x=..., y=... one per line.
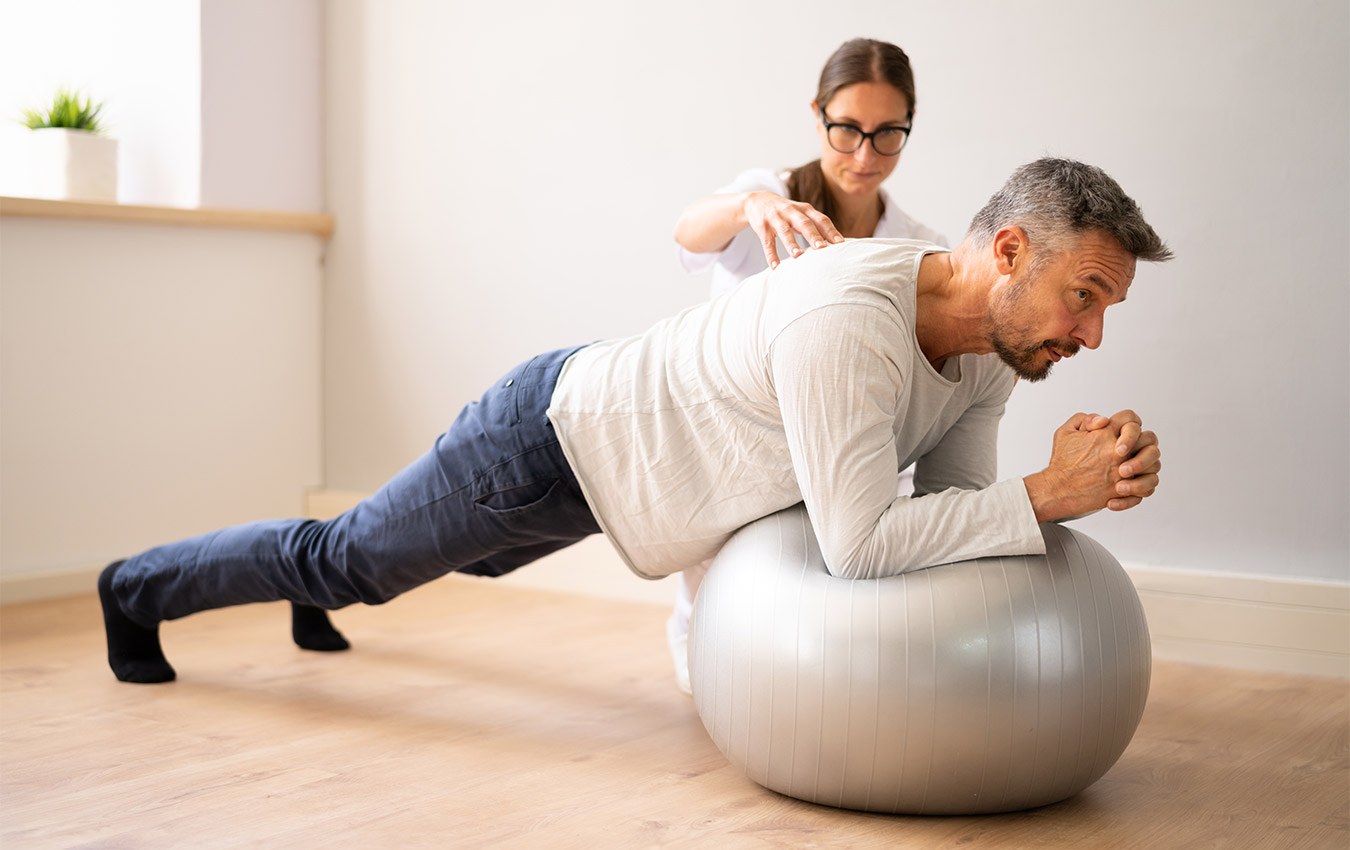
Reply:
x=897, y=244
x=881, y=252
x=867, y=269
x=854, y=288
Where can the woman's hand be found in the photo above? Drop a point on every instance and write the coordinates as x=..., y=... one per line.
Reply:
x=774, y=217
x=710, y=224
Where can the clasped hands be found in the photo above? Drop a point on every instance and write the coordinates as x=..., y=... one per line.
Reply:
x=1096, y=462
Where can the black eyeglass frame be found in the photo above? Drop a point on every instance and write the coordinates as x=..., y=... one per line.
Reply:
x=865, y=137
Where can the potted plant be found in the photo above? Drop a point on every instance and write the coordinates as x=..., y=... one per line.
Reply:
x=70, y=157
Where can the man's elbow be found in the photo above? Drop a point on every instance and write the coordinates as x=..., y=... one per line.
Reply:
x=852, y=574
x=852, y=565
x=863, y=564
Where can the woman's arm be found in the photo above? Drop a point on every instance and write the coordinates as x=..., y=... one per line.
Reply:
x=708, y=224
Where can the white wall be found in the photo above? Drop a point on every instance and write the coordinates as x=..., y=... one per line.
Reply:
x=506, y=179
x=141, y=57
x=155, y=382
x=261, y=77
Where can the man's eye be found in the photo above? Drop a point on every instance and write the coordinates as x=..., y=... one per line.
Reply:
x=1082, y=294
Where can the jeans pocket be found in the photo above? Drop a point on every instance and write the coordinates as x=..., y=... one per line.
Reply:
x=520, y=497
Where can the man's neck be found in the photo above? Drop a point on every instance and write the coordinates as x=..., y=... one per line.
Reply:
x=951, y=305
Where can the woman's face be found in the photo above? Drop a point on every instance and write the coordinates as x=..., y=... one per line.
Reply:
x=869, y=107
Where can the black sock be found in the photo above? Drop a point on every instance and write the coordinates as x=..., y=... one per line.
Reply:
x=134, y=652
x=311, y=629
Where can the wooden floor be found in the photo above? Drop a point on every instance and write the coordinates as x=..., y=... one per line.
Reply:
x=471, y=714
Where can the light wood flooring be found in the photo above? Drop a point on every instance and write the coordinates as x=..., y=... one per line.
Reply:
x=473, y=714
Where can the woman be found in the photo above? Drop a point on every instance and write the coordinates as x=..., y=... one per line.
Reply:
x=864, y=110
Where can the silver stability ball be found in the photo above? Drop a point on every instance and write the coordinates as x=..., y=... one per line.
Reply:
x=983, y=686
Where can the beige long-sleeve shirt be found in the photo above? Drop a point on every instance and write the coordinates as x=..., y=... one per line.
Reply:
x=802, y=384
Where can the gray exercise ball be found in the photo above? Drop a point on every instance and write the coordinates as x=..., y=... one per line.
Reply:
x=982, y=686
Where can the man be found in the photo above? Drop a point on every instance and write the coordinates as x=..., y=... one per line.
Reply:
x=813, y=383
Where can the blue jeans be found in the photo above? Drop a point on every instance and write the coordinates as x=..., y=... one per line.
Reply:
x=493, y=494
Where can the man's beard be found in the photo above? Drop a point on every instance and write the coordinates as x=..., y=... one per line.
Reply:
x=1022, y=357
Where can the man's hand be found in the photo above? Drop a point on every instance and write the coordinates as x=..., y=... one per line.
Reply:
x=1142, y=459
x=1096, y=462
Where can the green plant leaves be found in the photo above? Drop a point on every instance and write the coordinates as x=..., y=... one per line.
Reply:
x=68, y=111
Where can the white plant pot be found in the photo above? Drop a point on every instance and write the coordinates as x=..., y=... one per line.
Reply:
x=72, y=165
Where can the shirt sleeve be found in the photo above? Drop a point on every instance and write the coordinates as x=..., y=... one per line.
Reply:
x=967, y=456
x=745, y=245
x=838, y=376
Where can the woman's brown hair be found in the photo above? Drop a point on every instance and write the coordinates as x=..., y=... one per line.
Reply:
x=861, y=60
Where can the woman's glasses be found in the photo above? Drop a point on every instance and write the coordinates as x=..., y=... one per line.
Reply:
x=846, y=138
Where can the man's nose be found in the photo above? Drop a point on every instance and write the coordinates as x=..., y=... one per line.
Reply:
x=1089, y=332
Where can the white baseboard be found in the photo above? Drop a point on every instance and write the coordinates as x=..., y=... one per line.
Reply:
x=1256, y=623
x=49, y=584
x=1250, y=622
x=322, y=503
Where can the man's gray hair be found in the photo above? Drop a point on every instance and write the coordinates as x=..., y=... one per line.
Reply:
x=1056, y=200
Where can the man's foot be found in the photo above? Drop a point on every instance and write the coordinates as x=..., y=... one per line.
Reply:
x=311, y=629
x=134, y=652
x=678, y=640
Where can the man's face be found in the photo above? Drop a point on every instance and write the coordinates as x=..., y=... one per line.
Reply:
x=1040, y=316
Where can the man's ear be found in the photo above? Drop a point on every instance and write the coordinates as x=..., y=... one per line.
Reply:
x=1010, y=249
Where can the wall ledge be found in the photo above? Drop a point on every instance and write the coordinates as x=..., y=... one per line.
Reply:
x=319, y=224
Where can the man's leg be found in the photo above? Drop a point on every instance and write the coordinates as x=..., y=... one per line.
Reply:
x=496, y=483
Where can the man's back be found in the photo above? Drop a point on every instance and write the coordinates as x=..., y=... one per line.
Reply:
x=803, y=384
